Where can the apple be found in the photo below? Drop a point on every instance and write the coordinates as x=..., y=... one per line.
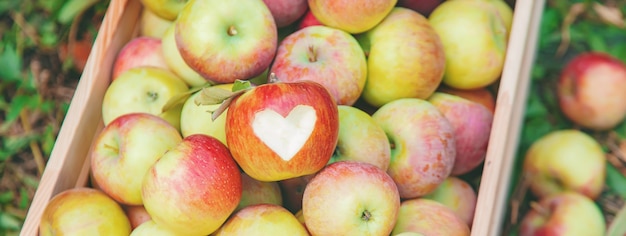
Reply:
x=351, y=16
x=504, y=11
x=350, y=198
x=308, y=20
x=423, y=145
x=265, y=219
x=238, y=39
x=292, y=190
x=140, y=51
x=458, y=195
x=429, y=217
x=257, y=192
x=300, y=218
x=175, y=61
x=282, y=130
x=196, y=118
x=479, y=95
x=83, y=211
x=152, y=25
x=565, y=213
x=194, y=187
x=472, y=126
x=405, y=58
x=143, y=89
x=591, y=89
x=137, y=215
x=286, y=12
x=325, y=55
x=361, y=139
x=474, y=38
x=151, y=228
x=166, y=9
x=565, y=160
x=124, y=151
x=424, y=7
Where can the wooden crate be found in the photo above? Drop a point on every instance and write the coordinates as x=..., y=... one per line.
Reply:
x=68, y=165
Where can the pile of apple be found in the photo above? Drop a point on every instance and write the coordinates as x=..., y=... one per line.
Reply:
x=566, y=168
x=293, y=117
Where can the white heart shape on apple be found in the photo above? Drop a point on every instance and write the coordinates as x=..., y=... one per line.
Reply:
x=285, y=135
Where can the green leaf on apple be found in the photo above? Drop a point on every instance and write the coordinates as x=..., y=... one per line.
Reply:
x=241, y=85
x=180, y=99
x=215, y=95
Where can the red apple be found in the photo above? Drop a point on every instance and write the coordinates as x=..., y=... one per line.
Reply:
x=350, y=198
x=286, y=12
x=328, y=56
x=194, y=187
x=424, y=7
x=262, y=219
x=591, y=90
x=281, y=130
x=308, y=20
x=566, y=213
x=140, y=51
x=480, y=95
x=349, y=15
x=292, y=191
x=429, y=217
x=458, y=195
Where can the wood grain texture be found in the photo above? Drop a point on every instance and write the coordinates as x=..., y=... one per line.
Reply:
x=84, y=117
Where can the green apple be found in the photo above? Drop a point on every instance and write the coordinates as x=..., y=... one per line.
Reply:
x=565, y=160
x=166, y=9
x=143, y=89
x=175, y=61
x=262, y=219
x=257, y=192
x=361, y=139
x=350, y=198
x=565, y=213
x=405, y=58
x=423, y=145
x=196, y=118
x=83, y=211
x=124, y=151
x=429, y=217
x=324, y=55
x=226, y=41
x=474, y=37
x=352, y=16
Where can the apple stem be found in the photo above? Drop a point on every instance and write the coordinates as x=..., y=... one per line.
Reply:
x=272, y=78
x=312, y=54
x=115, y=149
x=232, y=31
x=366, y=216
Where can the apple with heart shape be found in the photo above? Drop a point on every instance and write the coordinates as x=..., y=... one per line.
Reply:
x=166, y=9
x=286, y=12
x=267, y=219
x=591, y=89
x=257, y=192
x=292, y=190
x=351, y=16
x=124, y=151
x=325, y=55
x=405, y=58
x=228, y=48
x=308, y=20
x=472, y=126
x=196, y=118
x=151, y=228
x=350, y=198
x=565, y=213
x=143, y=89
x=458, y=195
x=479, y=95
x=428, y=217
x=197, y=183
x=424, y=7
x=471, y=29
x=140, y=51
x=565, y=160
x=175, y=61
x=137, y=215
x=423, y=145
x=83, y=211
x=282, y=130
x=361, y=139
x=152, y=25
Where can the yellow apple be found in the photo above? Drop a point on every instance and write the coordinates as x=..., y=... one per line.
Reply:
x=152, y=25
x=196, y=119
x=175, y=61
x=167, y=9
x=262, y=219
